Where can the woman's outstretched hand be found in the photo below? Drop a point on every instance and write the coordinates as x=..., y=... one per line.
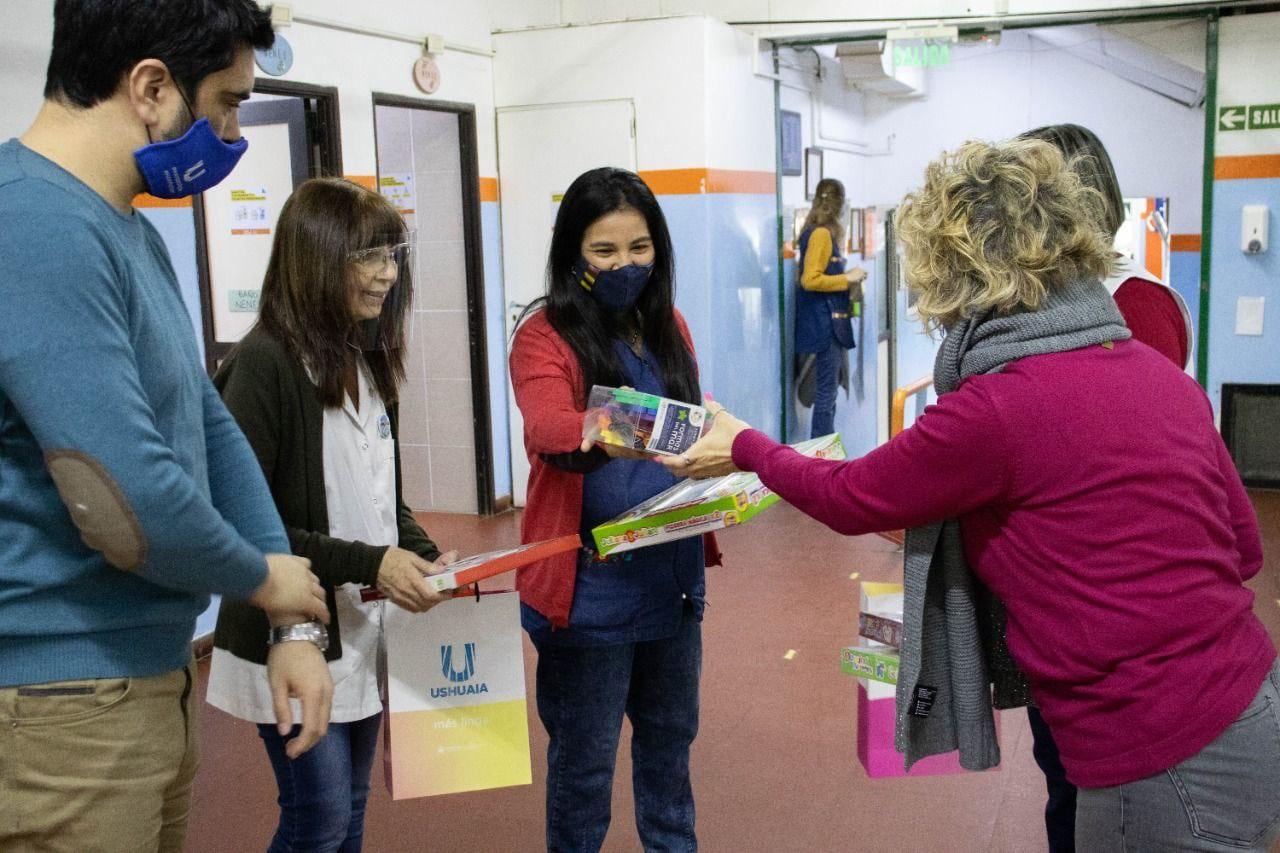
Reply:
x=711, y=455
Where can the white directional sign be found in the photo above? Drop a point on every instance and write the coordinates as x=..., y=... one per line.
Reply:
x=1233, y=118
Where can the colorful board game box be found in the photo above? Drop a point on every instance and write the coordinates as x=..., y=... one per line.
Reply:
x=882, y=627
x=645, y=422
x=877, y=663
x=693, y=507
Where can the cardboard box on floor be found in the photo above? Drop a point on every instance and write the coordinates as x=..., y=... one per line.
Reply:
x=877, y=705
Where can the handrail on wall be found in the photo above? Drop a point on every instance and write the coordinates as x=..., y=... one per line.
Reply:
x=897, y=415
x=897, y=412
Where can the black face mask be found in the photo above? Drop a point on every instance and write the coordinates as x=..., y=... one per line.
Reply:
x=615, y=290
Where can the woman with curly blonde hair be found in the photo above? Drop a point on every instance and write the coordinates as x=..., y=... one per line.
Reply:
x=1079, y=476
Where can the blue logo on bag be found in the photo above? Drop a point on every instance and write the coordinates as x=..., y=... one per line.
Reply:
x=468, y=668
x=457, y=676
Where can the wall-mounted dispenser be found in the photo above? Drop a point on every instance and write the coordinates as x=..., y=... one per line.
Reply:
x=1253, y=229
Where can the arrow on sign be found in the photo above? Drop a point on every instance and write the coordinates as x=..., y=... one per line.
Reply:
x=1231, y=118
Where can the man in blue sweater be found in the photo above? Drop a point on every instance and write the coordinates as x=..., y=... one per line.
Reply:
x=127, y=493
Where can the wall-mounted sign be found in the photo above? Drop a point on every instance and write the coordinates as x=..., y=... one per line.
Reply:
x=397, y=188
x=922, y=47
x=792, y=147
x=925, y=54
x=1249, y=117
x=277, y=59
x=812, y=172
x=249, y=213
x=243, y=301
x=426, y=74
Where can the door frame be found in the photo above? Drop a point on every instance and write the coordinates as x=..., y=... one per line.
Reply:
x=324, y=158
x=1209, y=12
x=468, y=150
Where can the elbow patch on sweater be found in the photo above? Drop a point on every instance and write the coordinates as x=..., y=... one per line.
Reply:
x=98, y=508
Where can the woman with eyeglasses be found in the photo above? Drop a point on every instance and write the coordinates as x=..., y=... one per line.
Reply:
x=314, y=386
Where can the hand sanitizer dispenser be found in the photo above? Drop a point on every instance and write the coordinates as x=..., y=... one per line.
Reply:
x=1253, y=229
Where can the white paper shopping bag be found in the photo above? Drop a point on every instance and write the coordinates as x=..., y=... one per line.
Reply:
x=456, y=717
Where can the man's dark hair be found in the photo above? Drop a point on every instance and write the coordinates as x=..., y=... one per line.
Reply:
x=97, y=42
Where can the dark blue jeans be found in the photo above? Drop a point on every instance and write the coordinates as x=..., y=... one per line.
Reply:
x=324, y=790
x=1060, y=810
x=583, y=691
x=827, y=378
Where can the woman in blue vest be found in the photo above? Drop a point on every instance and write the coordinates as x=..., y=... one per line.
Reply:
x=826, y=290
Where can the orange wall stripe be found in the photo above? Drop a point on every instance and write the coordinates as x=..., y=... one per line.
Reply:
x=368, y=181
x=1184, y=242
x=1252, y=166
x=148, y=200
x=488, y=189
x=701, y=181
x=726, y=181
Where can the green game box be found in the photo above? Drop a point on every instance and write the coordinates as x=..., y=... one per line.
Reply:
x=693, y=507
x=878, y=663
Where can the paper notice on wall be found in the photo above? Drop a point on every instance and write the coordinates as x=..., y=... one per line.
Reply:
x=397, y=188
x=1249, y=311
x=249, y=212
x=243, y=301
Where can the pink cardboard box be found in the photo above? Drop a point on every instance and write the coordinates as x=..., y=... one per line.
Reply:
x=875, y=743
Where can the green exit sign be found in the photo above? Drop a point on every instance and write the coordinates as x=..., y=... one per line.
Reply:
x=921, y=55
x=1264, y=117
x=1249, y=117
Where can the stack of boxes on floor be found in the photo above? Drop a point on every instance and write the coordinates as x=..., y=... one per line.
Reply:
x=874, y=660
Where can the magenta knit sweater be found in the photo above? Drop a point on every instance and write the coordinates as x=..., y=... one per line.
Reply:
x=1097, y=500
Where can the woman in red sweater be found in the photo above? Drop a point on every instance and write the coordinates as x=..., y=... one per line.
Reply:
x=1157, y=316
x=1153, y=311
x=621, y=634
x=1093, y=496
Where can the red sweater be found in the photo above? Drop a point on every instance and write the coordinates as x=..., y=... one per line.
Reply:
x=1097, y=500
x=549, y=391
x=1153, y=316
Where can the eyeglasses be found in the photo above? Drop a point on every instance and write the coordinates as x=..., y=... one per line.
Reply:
x=378, y=257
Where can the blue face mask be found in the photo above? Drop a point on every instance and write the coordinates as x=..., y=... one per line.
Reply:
x=616, y=290
x=194, y=162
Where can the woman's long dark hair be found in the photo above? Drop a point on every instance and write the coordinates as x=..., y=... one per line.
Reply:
x=306, y=294
x=589, y=329
x=1088, y=158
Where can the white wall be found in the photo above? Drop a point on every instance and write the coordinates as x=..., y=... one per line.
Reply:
x=360, y=65
x=356, y=65
x=26, y=33
x=738, y=118
x=658, y=64
x=1155, y=144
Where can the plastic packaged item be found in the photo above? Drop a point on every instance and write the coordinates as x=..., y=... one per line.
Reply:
x=693, y=507
x=480, y=566
x=645, y=422
x=882, y=627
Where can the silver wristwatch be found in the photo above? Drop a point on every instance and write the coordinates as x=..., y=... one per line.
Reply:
x=312, y=632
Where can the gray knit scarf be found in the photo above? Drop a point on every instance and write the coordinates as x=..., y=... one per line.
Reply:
x=944, y=694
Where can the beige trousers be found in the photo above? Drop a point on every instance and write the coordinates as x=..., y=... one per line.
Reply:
x=103, y=765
